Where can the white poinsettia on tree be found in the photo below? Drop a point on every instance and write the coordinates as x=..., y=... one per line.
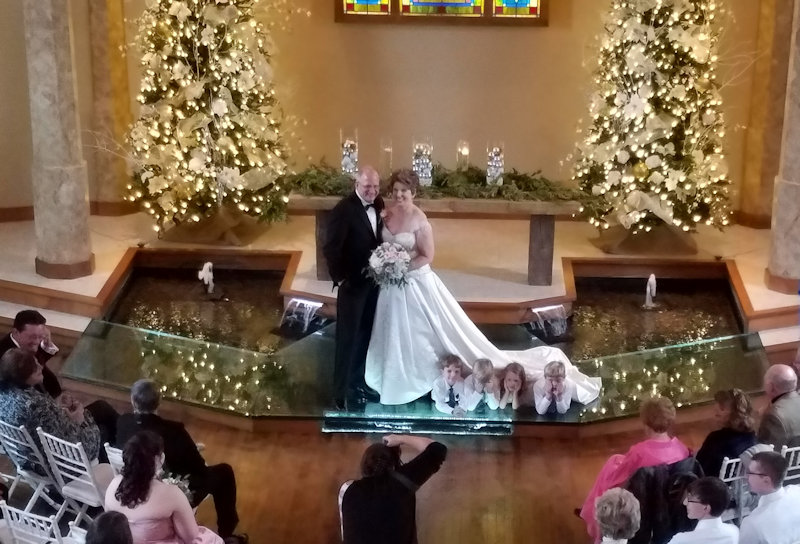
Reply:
x=208, y=131
x=653, y=152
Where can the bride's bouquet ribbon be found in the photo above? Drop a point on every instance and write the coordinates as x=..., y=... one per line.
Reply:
x=388, y=265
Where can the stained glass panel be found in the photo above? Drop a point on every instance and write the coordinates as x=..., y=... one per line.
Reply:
x=517, y=8
x=366, y=7
x=462, y=8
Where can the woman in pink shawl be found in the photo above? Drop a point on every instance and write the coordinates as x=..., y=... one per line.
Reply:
x=658, y=416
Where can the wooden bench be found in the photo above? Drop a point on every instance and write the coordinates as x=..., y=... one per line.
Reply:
x=541, y=216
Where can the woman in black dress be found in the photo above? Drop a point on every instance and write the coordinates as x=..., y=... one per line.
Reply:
x=734, y=413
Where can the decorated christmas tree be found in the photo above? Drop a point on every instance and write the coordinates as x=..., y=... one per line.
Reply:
x=653, y=152
x=208, y=132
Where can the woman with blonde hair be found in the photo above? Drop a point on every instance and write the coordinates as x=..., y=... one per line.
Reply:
x=658, y=447
x=734, y=415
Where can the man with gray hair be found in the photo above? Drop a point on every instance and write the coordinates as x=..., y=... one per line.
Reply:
x=181, y=457
x=780, y=424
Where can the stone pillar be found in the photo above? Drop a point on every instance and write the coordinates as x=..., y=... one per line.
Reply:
x=111, y=113
x=764, y=128
x=60, y=199
x=783, y=273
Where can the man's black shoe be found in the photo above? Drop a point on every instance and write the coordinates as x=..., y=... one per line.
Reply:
x=368, y=394
x=340, y=404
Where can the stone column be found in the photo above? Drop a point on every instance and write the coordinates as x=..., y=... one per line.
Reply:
x=764, y=128
x=60, y=199
x=111, y=113
x=783, y=273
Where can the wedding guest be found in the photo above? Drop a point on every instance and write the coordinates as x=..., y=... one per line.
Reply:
x=514, y=387
x=182, y=456
x=553, y=393
x=381, y=506
x=780, y=424
x=734, y=415
x=658, y=447
x=109, y=528
x=776, y=519
x=477, y=386
x=618, y=515
x=706, y=499
x=21, y=403
x=158, y=512
x=448, y=389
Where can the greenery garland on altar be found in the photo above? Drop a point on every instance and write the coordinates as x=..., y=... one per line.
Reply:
x=325, y=180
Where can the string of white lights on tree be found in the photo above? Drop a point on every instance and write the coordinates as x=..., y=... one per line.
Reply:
x=653, y=152
x=209, y=128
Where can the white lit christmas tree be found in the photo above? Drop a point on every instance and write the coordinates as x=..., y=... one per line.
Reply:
x=653, y=152
x=208, y=132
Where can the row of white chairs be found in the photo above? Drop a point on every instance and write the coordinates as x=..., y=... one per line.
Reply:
x=733, y=474
x=59, y=466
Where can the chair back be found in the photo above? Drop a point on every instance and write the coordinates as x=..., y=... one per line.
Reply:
x=76, y=535
x=114, y=458
x=72, y=469
x=792, y=455
x=22, y=450
x=27, y=528
x=732, y=474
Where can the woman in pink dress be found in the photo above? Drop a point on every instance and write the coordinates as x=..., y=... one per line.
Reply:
x=158, y=512
x=658, y=416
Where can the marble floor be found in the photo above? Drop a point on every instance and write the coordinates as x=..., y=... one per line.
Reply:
x=484, y=271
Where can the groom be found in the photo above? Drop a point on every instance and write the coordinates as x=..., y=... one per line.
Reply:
x=354, y=230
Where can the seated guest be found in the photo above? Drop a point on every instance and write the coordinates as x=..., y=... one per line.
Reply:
x=182, y=457
x=109, y=528
x=553, y=393
x=617, y=514
x=658, y=416
x=514, y=387
x=734, y=415
x=776, y=519
x=30, y=333
x=22, y=404
x=477, y=386
x=448, y=389
x=705, y=501
x=381, y=506
x=780, y=424
x=158, y=512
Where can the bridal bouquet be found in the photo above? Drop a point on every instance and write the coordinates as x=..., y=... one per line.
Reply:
x=388, y=264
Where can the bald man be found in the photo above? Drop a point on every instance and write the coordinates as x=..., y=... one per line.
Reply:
x=780, y=425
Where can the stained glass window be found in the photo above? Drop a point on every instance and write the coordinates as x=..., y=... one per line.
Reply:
x=517, y=8
x=366, y=7
x=463, y=8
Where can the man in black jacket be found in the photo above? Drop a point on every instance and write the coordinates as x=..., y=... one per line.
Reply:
x=354, y=230
x=181, y=457
x=30, y=333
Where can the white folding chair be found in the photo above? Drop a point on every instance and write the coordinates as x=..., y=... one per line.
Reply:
x=76, y=535
x=27, y=528
x=732, y=474
x=114, y=458
x=32, y=469
x=11, y=479
x=792, y=455
x=75, y=475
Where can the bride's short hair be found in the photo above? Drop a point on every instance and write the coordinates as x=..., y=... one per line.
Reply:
x=407, y=177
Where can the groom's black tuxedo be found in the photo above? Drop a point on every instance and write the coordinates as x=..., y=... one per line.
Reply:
x=350, y=241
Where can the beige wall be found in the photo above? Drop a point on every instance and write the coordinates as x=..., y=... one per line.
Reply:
x=525, y=86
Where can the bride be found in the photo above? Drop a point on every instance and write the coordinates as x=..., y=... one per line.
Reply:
x=417, y=324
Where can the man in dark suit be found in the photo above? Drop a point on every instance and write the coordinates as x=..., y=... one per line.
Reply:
x=780, y=424
x=182, y=457
x=30, y=333
x=353, y=231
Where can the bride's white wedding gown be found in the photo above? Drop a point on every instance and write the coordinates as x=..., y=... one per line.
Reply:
x=417, y=324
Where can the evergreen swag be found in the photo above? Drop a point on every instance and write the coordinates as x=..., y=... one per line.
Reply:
x=325, y=180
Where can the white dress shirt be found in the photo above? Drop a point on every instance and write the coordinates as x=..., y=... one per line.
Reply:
x=474, y=397
x=776, y=519
x=441, y=392
x=541, y=401
x=709, y=531
x=372, y=214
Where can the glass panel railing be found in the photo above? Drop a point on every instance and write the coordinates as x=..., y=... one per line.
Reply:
x=296, y=380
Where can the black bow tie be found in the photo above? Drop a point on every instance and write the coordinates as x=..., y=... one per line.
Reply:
x=368, y=206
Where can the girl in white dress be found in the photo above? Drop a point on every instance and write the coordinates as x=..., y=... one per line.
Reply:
x=418, y=323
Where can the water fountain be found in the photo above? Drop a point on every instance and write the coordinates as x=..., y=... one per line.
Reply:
x=650, y=293
x=549, y=323
x=206, y=275
x=300, y=315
